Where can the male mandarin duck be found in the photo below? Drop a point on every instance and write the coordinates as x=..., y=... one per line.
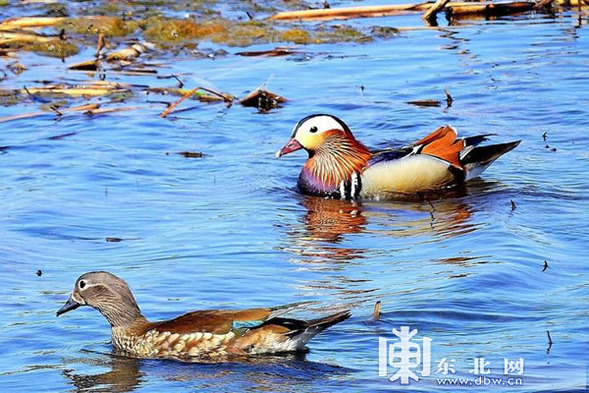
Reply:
x=339, y=166
x=210, y=335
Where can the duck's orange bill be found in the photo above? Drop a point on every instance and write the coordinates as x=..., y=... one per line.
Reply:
x=292, y=145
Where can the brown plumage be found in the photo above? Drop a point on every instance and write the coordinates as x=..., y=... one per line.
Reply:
x=208, y=336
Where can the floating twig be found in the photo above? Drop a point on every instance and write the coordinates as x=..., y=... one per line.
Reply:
x=376, y=313
x=513, y=205
x=550, y=342
x=458, y=7
x=225, y=97
x=57, y=111
x=430, y=15
x=544, y=136
x=489, y=8
x=543, y=3
x=177, y=102
x=349, y=12
x=94, y=88
x=25, y=22
x=545, y=266
x=39, y=273
x=425, y=103
x=433, y=102
x=279, y=51
x=10, y=37
x=170, y=76
x=88, y=65
x=180, y=83
x=61, y=136
x=201, y=95
x=191, y=154
x=81, y=108
x=99, y=46
x=102, y=111
x=449, y=99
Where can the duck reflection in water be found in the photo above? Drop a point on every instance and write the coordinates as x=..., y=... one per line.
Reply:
x=438, y=215
x=267, y=373
x=329, y=219
x=322, y=228
x=124, y=374
x=326, y=223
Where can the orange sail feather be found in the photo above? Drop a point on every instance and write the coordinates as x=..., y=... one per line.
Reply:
x=442, y=143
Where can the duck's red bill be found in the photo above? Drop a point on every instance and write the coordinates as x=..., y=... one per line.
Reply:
x=292, y=145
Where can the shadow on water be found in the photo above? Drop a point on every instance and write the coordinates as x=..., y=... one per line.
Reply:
x=267, y=373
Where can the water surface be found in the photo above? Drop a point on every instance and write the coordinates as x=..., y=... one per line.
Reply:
x=230, y=231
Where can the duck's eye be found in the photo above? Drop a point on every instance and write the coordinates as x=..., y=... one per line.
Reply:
x=313, y=129
x=82, y=284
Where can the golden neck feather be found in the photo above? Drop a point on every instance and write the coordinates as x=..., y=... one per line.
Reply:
x=338, y=157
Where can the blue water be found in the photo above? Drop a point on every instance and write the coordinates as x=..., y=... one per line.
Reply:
x=230, y=231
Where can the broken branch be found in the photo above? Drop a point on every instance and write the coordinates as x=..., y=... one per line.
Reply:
x=430, y=15
x=349, y=12
x=82, y=108
x=175, y=104
x=376, y=313
x=543, y=4
x=20, y=23
x=458, y=7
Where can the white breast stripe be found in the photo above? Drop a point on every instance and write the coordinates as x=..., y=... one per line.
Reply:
x=342, y=190
x=354, y=185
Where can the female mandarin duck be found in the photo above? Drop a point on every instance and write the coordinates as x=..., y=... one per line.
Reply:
x=339, y=166
x=212, y=335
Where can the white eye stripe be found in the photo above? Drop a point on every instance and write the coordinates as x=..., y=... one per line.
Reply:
x=86, y=284
x=322, y=123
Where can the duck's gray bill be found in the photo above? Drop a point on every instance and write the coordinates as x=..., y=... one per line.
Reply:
x=70, y=305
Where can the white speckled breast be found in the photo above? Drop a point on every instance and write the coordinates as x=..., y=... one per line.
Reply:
x=166, y=344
